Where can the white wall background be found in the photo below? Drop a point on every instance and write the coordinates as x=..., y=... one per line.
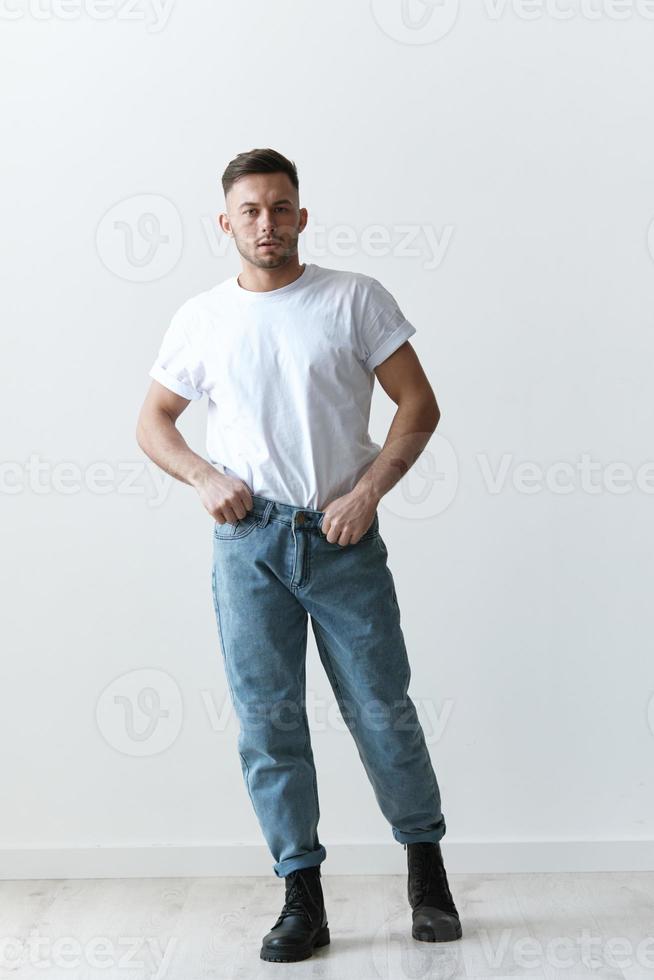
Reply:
x=515, y=144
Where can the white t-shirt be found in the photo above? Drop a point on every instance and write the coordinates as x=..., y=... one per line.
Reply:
x=289, y=378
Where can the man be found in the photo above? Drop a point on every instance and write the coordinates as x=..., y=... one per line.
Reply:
x=287, y=355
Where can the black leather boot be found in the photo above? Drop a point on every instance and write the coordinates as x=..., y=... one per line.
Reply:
x=302, y=923
x=435, y=918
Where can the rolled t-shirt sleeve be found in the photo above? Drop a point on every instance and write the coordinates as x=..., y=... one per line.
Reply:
x=177, y=365
x=383, y=326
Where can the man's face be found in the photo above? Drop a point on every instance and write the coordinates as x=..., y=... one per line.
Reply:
x=264, y=208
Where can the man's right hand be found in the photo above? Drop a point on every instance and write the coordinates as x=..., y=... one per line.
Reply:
x=226, y=498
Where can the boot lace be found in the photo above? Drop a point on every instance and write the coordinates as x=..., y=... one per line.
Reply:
x=297, y=900
x=430, y=880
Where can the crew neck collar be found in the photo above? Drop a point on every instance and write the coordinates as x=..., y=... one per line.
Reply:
x=253, y=296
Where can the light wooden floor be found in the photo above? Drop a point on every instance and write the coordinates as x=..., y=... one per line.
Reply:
x=519, y=925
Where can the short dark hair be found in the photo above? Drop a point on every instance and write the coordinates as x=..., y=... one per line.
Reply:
x=265, y=161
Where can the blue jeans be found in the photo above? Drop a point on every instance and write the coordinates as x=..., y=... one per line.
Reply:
x=270, y=570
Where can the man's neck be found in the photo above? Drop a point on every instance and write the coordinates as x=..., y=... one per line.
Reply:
x=263, y=280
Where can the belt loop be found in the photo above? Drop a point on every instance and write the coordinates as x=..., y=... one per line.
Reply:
x=266, y=513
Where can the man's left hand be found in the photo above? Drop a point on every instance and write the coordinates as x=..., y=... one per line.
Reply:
x=347, y=518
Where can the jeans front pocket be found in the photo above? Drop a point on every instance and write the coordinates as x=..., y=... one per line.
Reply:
x=372, y=532
x=233, y=532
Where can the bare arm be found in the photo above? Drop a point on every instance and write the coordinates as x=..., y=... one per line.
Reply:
x=224, y=497
x=401, y=376
x=404, y=381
